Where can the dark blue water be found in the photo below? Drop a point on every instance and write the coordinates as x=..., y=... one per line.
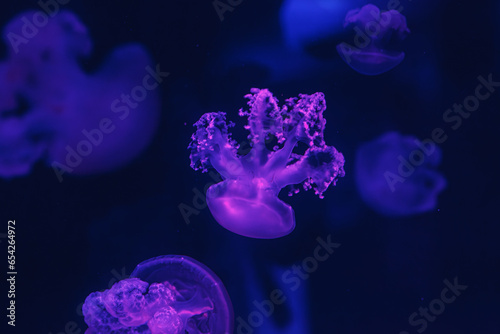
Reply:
x=84, y=234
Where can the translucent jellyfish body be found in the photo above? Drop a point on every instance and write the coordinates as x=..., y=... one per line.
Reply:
x=396, y=175
x=165, y=295
x=85, y=122
x=376, y=35
x=246, y=201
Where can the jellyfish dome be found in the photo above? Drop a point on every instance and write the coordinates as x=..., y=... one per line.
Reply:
x=376, y=37
x=396, y=175
x=77, y=122
x=246, y=201
x=164, y=295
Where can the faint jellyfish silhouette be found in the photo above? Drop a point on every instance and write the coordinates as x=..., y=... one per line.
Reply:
x=376, y=36
x=291, y=300
x=396, y=174
x=306, y=23
x=164, y=295
x=247, y=202
x=21, y=135
x=94, y=122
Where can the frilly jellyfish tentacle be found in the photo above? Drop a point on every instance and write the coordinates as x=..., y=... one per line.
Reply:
x=247, y=202
x=212, y=145
x=201, y=297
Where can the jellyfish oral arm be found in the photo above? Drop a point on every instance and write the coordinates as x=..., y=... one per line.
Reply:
x=212, y=146
x=326, y=169
x=279, y=159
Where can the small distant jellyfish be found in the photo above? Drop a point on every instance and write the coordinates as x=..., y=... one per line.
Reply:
x=86, y=123
x=396, y=175
x=246, y=201
x=164, y=295
x=376, y=38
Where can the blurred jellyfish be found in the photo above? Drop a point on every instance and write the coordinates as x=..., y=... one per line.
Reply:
x=85, y=123
x=306, y=23
x=247, y=202
x=376, y=35
x=396, y=174
x=165, y=295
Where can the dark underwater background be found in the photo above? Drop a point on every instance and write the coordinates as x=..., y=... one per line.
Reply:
x=85, y=233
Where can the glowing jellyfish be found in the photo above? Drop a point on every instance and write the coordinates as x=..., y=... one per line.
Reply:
x=86, y=123
x=247, y=202
x=396, y=174
x=376, y=37
x=165, y=295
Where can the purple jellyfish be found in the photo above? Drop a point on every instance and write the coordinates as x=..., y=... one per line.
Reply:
x=165, y=295
x=396, y=174
x=247, y=202
x=85, y=123
x=376, y=37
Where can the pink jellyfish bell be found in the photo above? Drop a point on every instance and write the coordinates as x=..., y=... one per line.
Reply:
x=247, y=202
x=375, y=40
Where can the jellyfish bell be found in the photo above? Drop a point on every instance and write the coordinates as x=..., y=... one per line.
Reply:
x=370, y=62
x=250, y=208
x=376, y=38
x=202, y=301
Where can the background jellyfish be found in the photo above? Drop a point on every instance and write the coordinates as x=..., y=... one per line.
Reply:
x=306, y=23
x=165, y=295
x=247, y=202
x=376, y=35
x=396, y=174
x=85, y=123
